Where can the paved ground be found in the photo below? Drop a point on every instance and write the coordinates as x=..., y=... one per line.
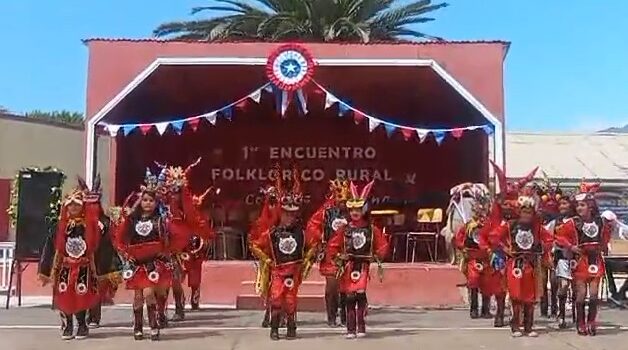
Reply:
x=37, y=328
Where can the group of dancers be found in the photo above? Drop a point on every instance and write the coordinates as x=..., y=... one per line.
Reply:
x=161, y=234
x=529, y=234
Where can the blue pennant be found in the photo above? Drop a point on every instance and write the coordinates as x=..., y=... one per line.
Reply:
x=390, y=129
x=439, y=136
x=126, y=129
x=343, y=109
x=177, y=126
x=227, y=112
x=488, y=129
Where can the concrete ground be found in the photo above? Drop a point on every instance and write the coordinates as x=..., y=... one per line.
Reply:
x=38, y=328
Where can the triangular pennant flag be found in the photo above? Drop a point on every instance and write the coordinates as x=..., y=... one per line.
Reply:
x=487, y=129
x=227, y=113
x=145, y=128
x=302, y=102
x=457, y=133
x=330, y=100
x=112, y=129
x=373, y=123
x=211, y=117
x=242, y=104
x=126, y=129
x=269, y=88
x=178, y=126
x=161, y=127
x=439, y=136
x=390, y=129
x=407, y=133
x=343, y=109
x=256, y=96
x=194, y=123
x=422, y=134
x=358, y=117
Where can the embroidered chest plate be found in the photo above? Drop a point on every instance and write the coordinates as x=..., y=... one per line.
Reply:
x=524, y=239
x=75, y=247
x=144, y=228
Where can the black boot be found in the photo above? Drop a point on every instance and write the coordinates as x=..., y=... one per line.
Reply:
x=351, y=304
x=266, y=320
x=291, y=324
x=360, y=314
x=162, y=317
x=152, y=321
x=275, y=314
x=67, y=326
x=592, y=316
x=486, y=307
x=93, y=319
x=342, y=305
x=195, y=298
x=499, y=313
x=473, y=302
x=138, y=323
x=179, y=304
x=562, y=300
x=553, y=299
x=82, y=331
x=545, y=303
x=331, y=304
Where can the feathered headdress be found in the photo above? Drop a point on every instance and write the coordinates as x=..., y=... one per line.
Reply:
x=510, y=189
x=587, y=191
x=359, y=199
x=201, y=201
x=154, y=183
x=177, y=177
x=339, y=189
x=290, y=200
x=78, y=194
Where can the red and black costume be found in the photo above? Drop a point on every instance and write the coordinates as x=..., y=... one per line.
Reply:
x=286, y=252
x=323, y=225
x=587, y=236
x=472, y=240
x=523, y=245
x=68, y=261
x=146, y=242
x=355, y=246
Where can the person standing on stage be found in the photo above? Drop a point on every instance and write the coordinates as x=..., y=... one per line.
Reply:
x=323, y=225
x=586, y=235
x=287, y=252
x=144, y=239
x=476, y=266
x=354, y=247
x=269, y=216
x=68, y=260
x=523, y=241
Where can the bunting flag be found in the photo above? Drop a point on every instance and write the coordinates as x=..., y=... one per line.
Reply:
x=161, y=127
x=113, y=130
x=439, y=136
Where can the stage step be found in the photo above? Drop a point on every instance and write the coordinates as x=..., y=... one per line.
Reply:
x=306, y=288
x=312, y=303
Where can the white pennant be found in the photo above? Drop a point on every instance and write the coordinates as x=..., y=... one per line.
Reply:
x=330, y=100
x=211, y=117
x=161, y=127
x=373, y=123
x=422, y=134
x=256, y=96
x=113, y=130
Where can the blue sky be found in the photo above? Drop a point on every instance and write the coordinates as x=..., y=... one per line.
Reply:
x=566, y=69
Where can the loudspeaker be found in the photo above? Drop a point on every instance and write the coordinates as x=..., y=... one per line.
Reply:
x=34, y=200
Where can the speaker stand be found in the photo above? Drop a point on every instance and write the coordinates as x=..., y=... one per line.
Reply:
x=16, y=269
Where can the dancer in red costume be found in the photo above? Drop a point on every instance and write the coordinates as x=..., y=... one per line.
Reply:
x=286, y=252
x=269, y=216
x=586, y=235
x=523, y=241
x=68, y=260
x=145, y=239
x=185, y=211
x=323, y=225
x=354, y=247
x=476, y=265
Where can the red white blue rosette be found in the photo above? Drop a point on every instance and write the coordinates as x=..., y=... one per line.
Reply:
x=290, y=67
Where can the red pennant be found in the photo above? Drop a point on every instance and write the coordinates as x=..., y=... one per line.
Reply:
x=194, y=123
x=457, y=133
x=145, y=129
x=242, y=104
x=407, y=133
x=358, y=117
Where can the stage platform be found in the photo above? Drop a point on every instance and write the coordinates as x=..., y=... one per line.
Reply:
x=230, y=284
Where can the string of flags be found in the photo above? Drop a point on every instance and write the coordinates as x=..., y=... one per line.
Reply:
x=289, y=69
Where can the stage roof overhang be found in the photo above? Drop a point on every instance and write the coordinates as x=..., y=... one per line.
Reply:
x=187, y=86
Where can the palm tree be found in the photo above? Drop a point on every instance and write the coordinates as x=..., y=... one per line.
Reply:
x=305, y=20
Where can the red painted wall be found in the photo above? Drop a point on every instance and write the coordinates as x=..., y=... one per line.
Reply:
x=5, y=192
